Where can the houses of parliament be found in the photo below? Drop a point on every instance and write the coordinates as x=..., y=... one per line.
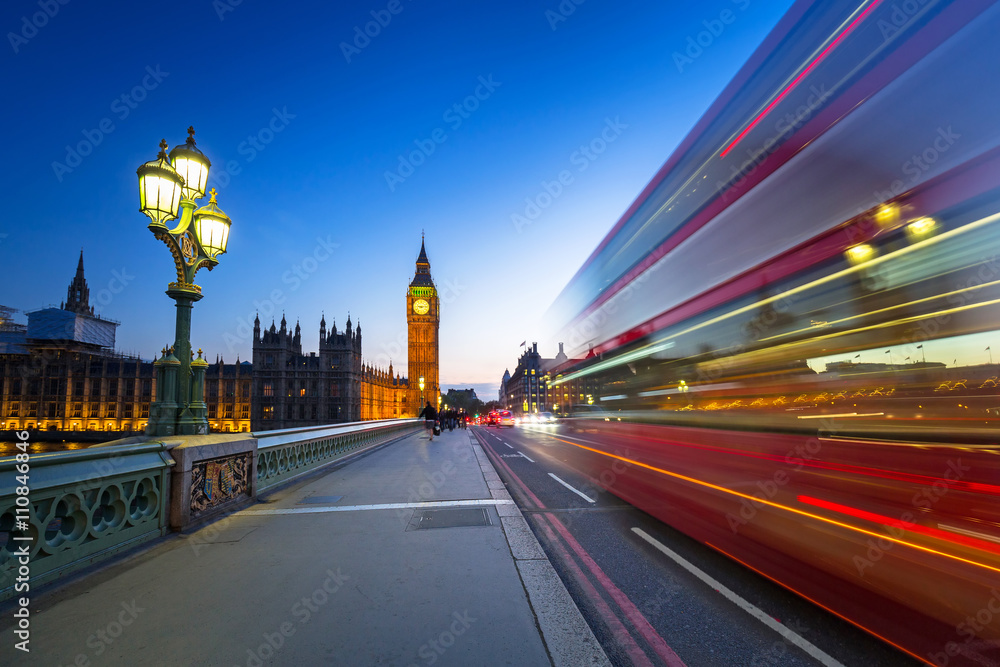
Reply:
x=60, y=373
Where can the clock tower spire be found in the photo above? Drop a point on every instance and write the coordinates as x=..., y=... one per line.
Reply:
x=423, y=318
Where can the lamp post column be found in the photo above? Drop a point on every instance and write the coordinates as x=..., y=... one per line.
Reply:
x=187, y=422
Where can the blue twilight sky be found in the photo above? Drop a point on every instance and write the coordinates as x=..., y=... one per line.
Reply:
x=331, y=160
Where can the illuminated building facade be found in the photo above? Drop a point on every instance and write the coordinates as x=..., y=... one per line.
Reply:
x=529, y=389
x=228, y=388
x=293, y=389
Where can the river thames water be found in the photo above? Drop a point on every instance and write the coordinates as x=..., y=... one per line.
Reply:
x=9, y=448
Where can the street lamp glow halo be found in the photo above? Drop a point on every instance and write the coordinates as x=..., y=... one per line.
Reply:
x=192, y=165
x=159, y=188
x=211, y=226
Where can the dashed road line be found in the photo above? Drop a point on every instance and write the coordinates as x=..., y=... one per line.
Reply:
x=782, y=630
x=579, y=493
x=525, y=455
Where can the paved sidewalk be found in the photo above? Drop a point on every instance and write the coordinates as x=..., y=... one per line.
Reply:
x=411, y=555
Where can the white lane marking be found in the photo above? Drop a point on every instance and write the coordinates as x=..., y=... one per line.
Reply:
x=782, y=630
x=511, y=446
x=386, y=506
x=524, y=455
x=970, y=533
x=582, y=495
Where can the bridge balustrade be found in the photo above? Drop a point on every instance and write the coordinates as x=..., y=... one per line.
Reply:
x=84, y=506
x=288, y=453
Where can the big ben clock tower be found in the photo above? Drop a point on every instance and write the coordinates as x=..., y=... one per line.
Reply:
x=423, y=318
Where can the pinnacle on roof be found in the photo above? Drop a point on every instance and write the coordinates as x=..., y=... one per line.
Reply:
x=78, y=295
x=422, y=257
x=422, y=276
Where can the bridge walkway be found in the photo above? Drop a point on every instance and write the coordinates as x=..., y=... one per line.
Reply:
x=412, y=554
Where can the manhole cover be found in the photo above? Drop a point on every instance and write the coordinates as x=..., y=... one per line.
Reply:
x=319, y=500
x=473, y=516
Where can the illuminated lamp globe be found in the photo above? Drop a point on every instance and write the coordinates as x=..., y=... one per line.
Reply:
x=159, y=188
x=192, y=165
x=211, y=226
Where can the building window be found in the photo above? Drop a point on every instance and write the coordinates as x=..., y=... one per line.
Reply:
x=244, y=411
x=78, y=410
x=15, y=409
x=147, y=388
x=230, y=388
x=227, y=411
x=211, y=411
x=268, y=412
x=127, y=411
x=111, y=410
x=32, y=410
x=113, y=388
x=144, y=411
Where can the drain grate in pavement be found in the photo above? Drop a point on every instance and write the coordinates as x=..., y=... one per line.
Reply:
x=319, y=500
x=472, y=516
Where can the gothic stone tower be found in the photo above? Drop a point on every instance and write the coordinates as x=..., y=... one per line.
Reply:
x=423, y=319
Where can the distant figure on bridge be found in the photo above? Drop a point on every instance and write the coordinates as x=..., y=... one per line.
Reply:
x=430, y=416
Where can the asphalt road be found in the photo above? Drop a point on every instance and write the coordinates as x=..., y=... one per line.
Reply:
x=652, y=595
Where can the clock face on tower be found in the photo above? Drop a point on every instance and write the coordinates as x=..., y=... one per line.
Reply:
x=420, y=307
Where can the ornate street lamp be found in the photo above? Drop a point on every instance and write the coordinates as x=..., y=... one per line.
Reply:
x=421, y=392
x=169, y=186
